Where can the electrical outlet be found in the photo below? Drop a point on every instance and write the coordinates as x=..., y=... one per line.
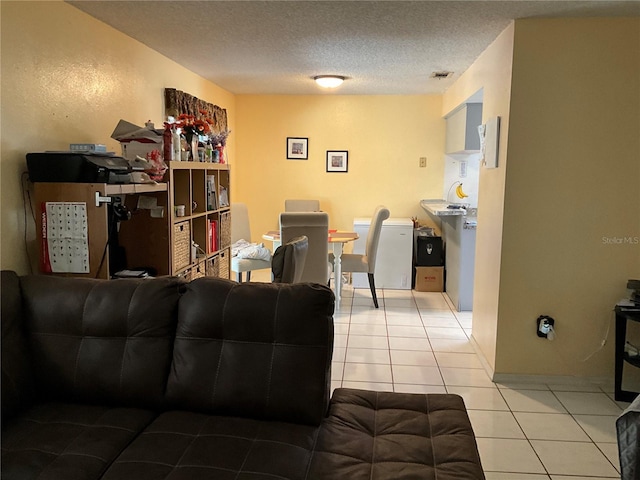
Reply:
x=545, y=327
x=423, y=161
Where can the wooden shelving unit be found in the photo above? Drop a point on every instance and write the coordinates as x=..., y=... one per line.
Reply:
x=154, y=238
x=134, y=188
x=144, y=238
x=190, y=185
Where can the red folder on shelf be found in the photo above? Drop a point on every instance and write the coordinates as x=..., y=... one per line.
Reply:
x=213, y=236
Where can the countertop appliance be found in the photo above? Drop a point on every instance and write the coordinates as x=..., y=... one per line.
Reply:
x=75, y=167
x=395, y=253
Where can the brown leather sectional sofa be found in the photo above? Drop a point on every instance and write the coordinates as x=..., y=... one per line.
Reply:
x=159, y=379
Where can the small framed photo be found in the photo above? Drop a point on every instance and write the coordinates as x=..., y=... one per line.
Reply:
x=337, y=160
x=297, y=148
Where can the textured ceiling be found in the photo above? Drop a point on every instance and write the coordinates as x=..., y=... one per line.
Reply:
x=275, y=47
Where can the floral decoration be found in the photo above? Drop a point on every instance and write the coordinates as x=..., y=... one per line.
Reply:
x=159, y=167
x=220, y=138
x=190, y=125
x=193, y=128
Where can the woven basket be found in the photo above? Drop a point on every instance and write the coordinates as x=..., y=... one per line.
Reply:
x=198, y=271
x=181, y=245
x=224, y=262
x=213, y=267
x=225, y=230
x=185, y=275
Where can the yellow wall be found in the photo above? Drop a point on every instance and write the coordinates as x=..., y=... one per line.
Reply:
x=492, y=73
x=384, y=135
x=69, y=78
x=558, y=222
x=572, y=182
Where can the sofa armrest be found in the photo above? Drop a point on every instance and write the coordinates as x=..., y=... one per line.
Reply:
x=17, y=378
x=628, y=434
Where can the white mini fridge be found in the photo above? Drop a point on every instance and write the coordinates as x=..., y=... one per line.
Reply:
x=395, y=253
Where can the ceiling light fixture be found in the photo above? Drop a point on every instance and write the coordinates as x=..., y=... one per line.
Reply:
x=329, y=81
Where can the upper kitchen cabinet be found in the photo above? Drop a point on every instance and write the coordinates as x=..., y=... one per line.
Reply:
x=462, y=129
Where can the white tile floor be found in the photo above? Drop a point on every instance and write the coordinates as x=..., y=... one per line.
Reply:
x=415, y=342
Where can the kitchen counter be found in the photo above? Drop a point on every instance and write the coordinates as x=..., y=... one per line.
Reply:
x=458, y=233
x=460, y=245
x=439, y=208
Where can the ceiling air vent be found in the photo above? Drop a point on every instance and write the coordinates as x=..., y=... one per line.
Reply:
x=441, y=75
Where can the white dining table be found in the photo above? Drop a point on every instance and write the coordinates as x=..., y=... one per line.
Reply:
x=337, y=240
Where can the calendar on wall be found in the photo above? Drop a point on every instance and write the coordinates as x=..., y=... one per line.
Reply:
x=65, y=239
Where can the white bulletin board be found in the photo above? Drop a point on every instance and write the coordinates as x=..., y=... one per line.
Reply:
x=65, y=237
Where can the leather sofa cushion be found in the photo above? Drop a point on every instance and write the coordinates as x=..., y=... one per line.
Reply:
x=101, y=341
x=186, y=445
x=17, y=376
x=68, y=441
x=253, y=350
x=386, y=436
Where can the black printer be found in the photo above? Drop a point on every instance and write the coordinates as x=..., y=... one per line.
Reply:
x=75, y=167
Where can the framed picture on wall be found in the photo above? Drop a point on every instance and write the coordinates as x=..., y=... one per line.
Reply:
x=297, y=148
x=337, y=160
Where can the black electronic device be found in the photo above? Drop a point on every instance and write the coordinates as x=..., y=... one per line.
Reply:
x=77, y=168
x=429, y=252
x=121, y=212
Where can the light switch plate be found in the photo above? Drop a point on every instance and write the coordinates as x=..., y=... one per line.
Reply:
x=463, y=169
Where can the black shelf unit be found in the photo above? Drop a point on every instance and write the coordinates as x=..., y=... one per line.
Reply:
x=623, y=314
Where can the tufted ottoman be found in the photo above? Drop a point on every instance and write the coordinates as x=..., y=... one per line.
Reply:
x=387, y=436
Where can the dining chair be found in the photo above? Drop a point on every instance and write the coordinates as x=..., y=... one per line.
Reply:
x=302, y=205
x=289, y=259
x=240, y=229
x=366, y=263
x=315, y=226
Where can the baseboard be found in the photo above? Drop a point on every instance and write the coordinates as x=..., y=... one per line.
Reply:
x=487, y=367
x=604, y=382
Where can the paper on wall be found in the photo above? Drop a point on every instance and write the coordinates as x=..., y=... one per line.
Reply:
x=67, y=240
x=147, y=202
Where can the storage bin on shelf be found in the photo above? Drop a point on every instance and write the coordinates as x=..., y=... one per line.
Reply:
x=225, y=230
x=181, y=245
x=213, y=267
x=198, y=270
x=185, y=275
x=224, y=264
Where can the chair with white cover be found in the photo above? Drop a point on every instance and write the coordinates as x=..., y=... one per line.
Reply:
x=315, y=226
x=302, y=205
x=353, y=262
x=289, y=259
x=240, y=229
